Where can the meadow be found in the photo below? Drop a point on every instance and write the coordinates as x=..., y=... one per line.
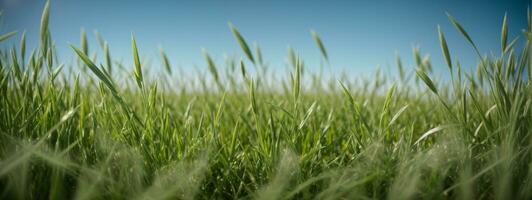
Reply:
x=95, y=128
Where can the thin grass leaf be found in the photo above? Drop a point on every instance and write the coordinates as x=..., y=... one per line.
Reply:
x=423, y=76
x=347, y=93
x=463, y=32
x=429, y=132
x=307, y=115
x=213, y=71
x=7, y=35
x=219, y=111
x=397, y=115
x=101, y=75
x=57, y=71
x=166, y=62
x=320, y=44
x=252, y=96
x=243, y=69
x=211, y=66
x=108, y=61
x=292, y=57
x=258, y=52
x=445, y=50
x=504, y=33
x=23, y=46
x=138, y=69
x=242, y=43
x=400, y=67
x=511, y=45
x=297, y=81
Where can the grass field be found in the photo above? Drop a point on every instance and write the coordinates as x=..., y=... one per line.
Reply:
x=85, y=130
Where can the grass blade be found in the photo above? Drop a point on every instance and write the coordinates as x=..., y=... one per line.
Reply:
x=423, y=76
x=428, y=133
x=138, y=69
x=99, y=73
x=7, y=35
x=504, y=33
x=166, y=62
x=44, y=27
x=445, y=50
x=242, y=43
x=83, y=41
x=463, y=32
x=320, y=44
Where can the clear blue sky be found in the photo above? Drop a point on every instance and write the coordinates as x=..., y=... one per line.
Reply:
x=358, y=35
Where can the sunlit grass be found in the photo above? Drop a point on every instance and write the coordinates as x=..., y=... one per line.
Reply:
x=239, y=129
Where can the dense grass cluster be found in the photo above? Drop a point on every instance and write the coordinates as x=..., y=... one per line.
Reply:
x=84, y=130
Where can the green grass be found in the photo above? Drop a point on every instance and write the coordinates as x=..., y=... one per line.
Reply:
x=85, y=130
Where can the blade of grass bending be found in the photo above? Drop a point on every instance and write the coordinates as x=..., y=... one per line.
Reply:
x=421, y=74
x=445, y=50
x=357, y=115
x=213, y=70
x=464, y=33
x=220, y=109
x=211, y=65
x=307, y=115
x=510, y=45
x=320, y=44
x=242, y=43
x=108, y=83
x=101, y=75
x=7, y=35
x=166, y=62
x=428, y=133
x=347, y=93
x=396, y=116
x=388, y=99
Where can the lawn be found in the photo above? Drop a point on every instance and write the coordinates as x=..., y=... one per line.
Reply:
x=94, y=128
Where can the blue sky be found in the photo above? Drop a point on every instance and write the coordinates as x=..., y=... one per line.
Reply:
x=358, y=35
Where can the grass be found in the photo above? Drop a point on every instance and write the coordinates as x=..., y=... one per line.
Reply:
x=85, y=130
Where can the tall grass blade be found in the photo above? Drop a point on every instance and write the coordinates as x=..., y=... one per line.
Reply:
x=445, y=50
x=44, y=27
x=423, y=76
x=464, y=33
x=166, y=62
x=504, y=33
x=242, y=43
x=320, y=44
x=428, y=133
x=99, y=73
x=7, y=35
x=138, y=69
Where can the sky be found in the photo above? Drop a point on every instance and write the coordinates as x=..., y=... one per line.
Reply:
x=359, y=35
